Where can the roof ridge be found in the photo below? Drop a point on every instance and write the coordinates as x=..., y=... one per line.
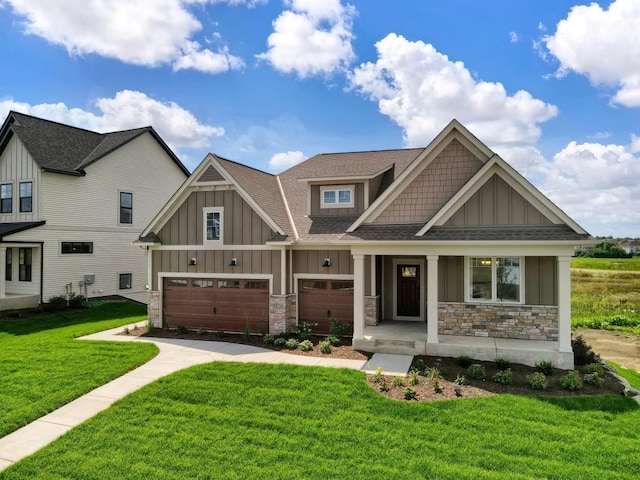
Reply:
x=369, y=151
x=244, y=165
x=13, y=112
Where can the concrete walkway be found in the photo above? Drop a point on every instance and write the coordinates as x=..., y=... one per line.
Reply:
x=175, y=354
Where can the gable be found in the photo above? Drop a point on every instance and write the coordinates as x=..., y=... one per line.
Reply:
x=497, y=203
x=433, y=187
x=211, y=174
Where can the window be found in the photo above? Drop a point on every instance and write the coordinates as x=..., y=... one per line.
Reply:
x=26, y=196
x=77, y=247
x=337, y=196
x=124, y=281
x=126, y=207
x=8, y=265
x=24, y=272
x=495, y=279
x=6, y=198
x=213, y=224
x=228, y=284
x=176, y=282
x=202, y=283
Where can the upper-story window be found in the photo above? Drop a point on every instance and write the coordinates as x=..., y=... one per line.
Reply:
x=6, y=198
x=126, y=207
x=337, y=196
x=212, y=222
x=26, y=196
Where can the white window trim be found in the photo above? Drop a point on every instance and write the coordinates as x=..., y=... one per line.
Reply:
x=13, y=195
x=20, y=182
x=494, y=282
x=337, y=188
x=206, y=210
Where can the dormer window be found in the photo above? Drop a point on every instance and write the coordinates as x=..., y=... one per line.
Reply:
x=337, y=196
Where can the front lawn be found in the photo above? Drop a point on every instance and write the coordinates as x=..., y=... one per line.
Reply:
x=43, y=367
x=630, y=375
x=227, y=420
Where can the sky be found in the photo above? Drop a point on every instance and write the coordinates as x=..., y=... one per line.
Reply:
x=552, y=86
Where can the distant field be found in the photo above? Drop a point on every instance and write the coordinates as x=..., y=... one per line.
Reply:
x=620, y=264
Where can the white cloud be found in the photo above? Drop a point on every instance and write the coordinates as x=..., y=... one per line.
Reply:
x=131, y=31
x=282, y=161
x=422, y=90
x=602, y=44
x=513, y=37
x=312, y=38
x=127, y=109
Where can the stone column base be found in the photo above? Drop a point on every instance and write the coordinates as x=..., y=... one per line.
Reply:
x=282, y=313
x=372, y=310
x=153, y=308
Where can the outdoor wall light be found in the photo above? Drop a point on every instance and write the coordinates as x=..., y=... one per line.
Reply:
x=327, y=262
x=192, y=261
x=233, y=262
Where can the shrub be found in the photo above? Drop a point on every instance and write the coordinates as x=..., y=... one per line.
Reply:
x=409, y=393
x=594, y=368
x=460, y=380
x=571, y=381
x=221, y=334
x=582, y=353
x=476, y=372
x=421, y=366
x=279, y=342
x=437, y=369
x=77, y=301
x=414, y=378
x=502, y=364
x=150, y=326
x=57, y=302
x=593, y=379
x=398, y=382
x=246, y=334
x=306, y=346
x=437, y=385
x=268, y=339
x=291, y=344
x=202, y=331
x=537, y=381
x=325, y=347
x=377, y=375
x=334, y=341
x=305, y=329
x=545, y=367
x=181, y=330
x=464, y=361
x=338, y=328
x=126, y=331
x=383, y=385
x=503, y=377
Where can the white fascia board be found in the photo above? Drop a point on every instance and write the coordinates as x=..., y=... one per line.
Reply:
x=288, y=210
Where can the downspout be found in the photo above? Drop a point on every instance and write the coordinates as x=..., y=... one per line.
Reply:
x=41, y=272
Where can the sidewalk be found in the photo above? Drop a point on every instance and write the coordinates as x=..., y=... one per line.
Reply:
x=175, y=355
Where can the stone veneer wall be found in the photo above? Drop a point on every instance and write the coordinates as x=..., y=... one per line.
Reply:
x=282, y=313
x=371, y=310
x=526, y=322
x=153, y=308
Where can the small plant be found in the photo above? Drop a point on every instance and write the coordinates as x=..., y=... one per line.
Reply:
x=246, y=335
x=437, y=385
x=77, y=301
x=334, y=341
x=305, y=329
x=150, y=326
x=306, y=345
x=437, y=366
x=414, y=377
x=383, y=386
x=464, y=361
x=582, y=353
x=537, y=381
x=126, y=331
x=503, y=377
x=338, y=328
x=421, y=366
x=594, y=368
x=545, y=367
x=593, y=379
x=279, y=342
x=476, y=372
x=268, y=339
x=202, y=331
x=291, y=344
x=398, y=382
x=409, y=393
x=181, y=330
x=460, y=380
x=377, y=375
x=502, y=364
x=221, y=334
x=571, y=381
x=58, y=302
x=325, y=347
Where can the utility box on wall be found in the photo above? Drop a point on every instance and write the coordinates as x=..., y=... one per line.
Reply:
x=89, y=279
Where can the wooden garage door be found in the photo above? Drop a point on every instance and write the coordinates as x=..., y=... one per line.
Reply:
x=217, y=304
x=321, y=301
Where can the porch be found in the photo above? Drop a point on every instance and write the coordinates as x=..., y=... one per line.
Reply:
x=16, y=301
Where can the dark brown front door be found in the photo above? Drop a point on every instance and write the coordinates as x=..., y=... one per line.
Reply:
x=408, y=291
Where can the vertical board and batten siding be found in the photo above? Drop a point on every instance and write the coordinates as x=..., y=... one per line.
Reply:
x=217, y=261
x=310, y=261
x=241, y=224
x=358, y=201
x=540, y=281
x=86, y=209
x=16, y=165
x=497, y=203
x=451, y=279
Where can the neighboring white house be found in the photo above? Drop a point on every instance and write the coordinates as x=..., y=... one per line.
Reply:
x=630, y=246
x=71, y=203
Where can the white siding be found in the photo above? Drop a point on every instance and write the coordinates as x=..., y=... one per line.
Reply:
x=86, y=209
x=16, y=165
x=15, y=286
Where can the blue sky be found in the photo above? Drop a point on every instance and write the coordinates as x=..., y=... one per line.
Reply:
x=552, y=86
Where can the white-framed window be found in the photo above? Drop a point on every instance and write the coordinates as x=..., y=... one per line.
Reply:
x=124, y=281
x=6, y=198
x=337, y=196
x=125, y=215
x=212, y=222
x=495, y=279
x=26, y=197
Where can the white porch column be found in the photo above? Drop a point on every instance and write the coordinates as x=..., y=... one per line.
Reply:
x=432, y=298
x=373, y=276
x=564, y=303
x=3, y=271
x=358, y=296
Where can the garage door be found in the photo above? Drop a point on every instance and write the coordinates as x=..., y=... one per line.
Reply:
x=217, y=304
x=321, y=301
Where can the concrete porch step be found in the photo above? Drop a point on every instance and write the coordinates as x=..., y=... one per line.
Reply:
x=394, y=346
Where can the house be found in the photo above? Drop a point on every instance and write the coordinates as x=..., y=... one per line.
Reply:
x=72, y=202
x=444, y=250
x=630, y=246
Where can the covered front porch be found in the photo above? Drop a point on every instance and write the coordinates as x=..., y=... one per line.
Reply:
x=20, y=273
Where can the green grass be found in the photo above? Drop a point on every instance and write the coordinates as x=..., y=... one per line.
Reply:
x=43, y=367
x=632, y=376
x=620, y=264
x=230, y=421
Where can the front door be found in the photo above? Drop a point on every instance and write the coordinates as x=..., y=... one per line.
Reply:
x=408, y=290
